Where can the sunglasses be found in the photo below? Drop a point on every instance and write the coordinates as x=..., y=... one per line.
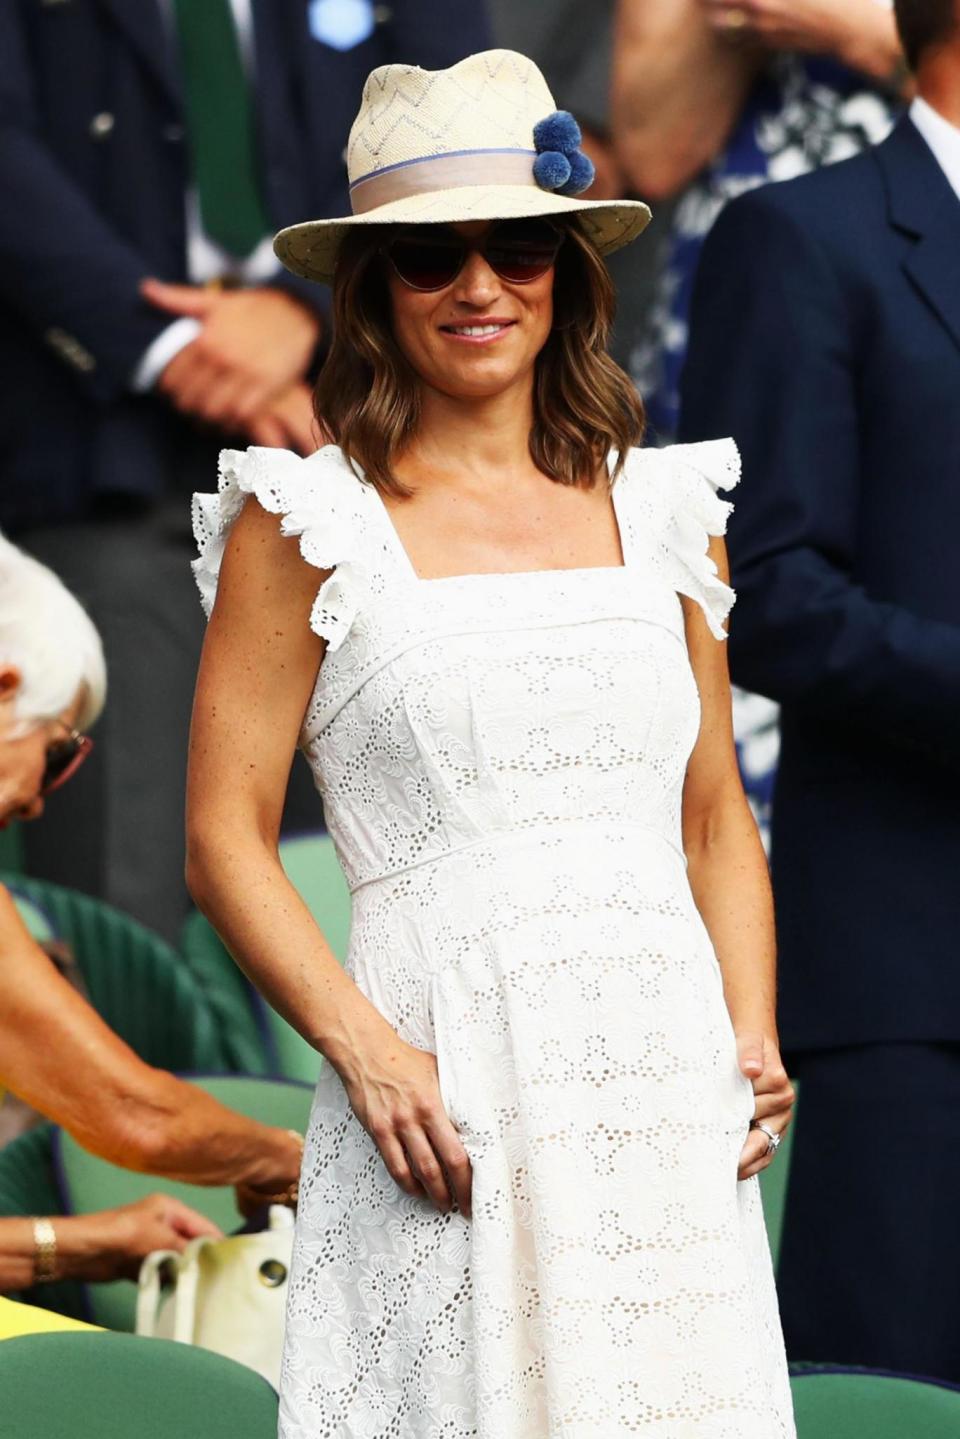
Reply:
x=431, y=257
x=64, y=758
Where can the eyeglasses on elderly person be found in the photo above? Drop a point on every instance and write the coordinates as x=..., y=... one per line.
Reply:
x=52, y=684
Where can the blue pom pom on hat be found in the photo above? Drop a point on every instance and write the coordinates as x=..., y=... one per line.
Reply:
x=561, y=166
x=558, y=131
x=551, y=170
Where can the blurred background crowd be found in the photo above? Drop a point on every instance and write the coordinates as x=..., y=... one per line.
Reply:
x=149, y=149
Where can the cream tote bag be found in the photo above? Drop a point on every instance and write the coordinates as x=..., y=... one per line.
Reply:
x=228, y=1295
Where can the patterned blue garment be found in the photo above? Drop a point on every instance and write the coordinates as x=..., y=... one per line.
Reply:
x=805, y=112
x=802, y=114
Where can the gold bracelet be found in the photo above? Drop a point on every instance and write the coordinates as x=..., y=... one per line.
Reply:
x=44, y=1251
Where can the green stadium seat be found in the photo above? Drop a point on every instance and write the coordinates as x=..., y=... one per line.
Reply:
x=115, y=1386
x=831, y=1402
x=136, y=981
x=239, y=1012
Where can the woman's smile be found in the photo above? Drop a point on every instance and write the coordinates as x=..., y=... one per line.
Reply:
x=478, y=332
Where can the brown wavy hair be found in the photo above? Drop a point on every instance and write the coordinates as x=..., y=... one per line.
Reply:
x=367, y=396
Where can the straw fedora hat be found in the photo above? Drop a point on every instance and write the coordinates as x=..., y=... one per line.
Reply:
x=482, y=140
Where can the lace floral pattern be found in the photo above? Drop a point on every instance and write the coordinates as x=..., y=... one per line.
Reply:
x=501, y=761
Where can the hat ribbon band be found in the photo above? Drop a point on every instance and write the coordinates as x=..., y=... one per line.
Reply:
x=450, y=171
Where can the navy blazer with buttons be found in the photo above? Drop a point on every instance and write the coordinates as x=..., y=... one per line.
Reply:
x=93, y=169
x=826, y=340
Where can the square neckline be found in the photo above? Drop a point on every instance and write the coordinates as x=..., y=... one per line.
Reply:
x=473, y=575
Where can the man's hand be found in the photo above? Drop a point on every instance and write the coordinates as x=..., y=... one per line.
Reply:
x=255, y=345
x=288, y=423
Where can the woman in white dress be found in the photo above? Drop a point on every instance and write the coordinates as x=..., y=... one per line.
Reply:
x=494, y=625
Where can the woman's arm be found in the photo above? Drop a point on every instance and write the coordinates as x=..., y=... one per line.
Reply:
x=110, y=1244
x=861, y=34
x=677, y=88
x=257, y=673
x=730, y=881
x=58, y=1055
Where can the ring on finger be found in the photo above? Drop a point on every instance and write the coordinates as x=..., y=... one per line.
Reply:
x=734, y=18
x=773, y=1138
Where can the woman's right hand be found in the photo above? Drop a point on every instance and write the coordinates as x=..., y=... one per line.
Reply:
x=113, y=1243
x=394, y=1090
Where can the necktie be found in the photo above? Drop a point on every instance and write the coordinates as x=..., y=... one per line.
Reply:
x=219, y=111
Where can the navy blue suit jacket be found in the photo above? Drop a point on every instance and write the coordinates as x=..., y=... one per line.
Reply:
x=93, y=168
x=826, y=340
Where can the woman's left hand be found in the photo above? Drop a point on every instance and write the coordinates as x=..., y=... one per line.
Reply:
x=814, y=26
x=758, y=1055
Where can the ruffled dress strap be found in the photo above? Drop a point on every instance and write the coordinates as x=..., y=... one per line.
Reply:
x=318, y=499
x=686, y=482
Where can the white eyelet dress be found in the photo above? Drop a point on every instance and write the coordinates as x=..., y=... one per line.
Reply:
x=501, y=760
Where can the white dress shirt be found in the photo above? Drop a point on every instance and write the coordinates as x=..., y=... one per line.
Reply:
x=206, y=260
x=942, y=137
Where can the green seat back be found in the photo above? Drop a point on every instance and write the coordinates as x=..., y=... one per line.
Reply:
x=238, y=1011
x=136, y=981
x=28, y=1185
x=37, y=922
x=256, y=1038
x=857, y=1404
x=11, y=851
x=89, y=1184
x=114, y=1386
x=773, y=1186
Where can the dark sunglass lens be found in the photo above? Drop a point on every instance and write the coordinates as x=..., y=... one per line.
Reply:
x=523, y=250
x=424, y=265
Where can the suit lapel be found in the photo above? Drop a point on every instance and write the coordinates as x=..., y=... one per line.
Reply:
x=146, y=28
x=923, y=205
x=934, y=268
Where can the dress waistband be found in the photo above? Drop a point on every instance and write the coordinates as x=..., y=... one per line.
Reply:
x=496, y=836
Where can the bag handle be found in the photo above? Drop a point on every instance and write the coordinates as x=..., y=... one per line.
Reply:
x=148, y=1289
x=185, y=1298
x=186, y=1270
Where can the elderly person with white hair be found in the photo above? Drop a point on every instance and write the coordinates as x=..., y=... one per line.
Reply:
x=55, y=1051
x=52, y=683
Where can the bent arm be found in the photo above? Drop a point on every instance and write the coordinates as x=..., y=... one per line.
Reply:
x=257, y=672
x=726, y=863
x=677, y=91
x=58, y=1055
x=771, y=361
